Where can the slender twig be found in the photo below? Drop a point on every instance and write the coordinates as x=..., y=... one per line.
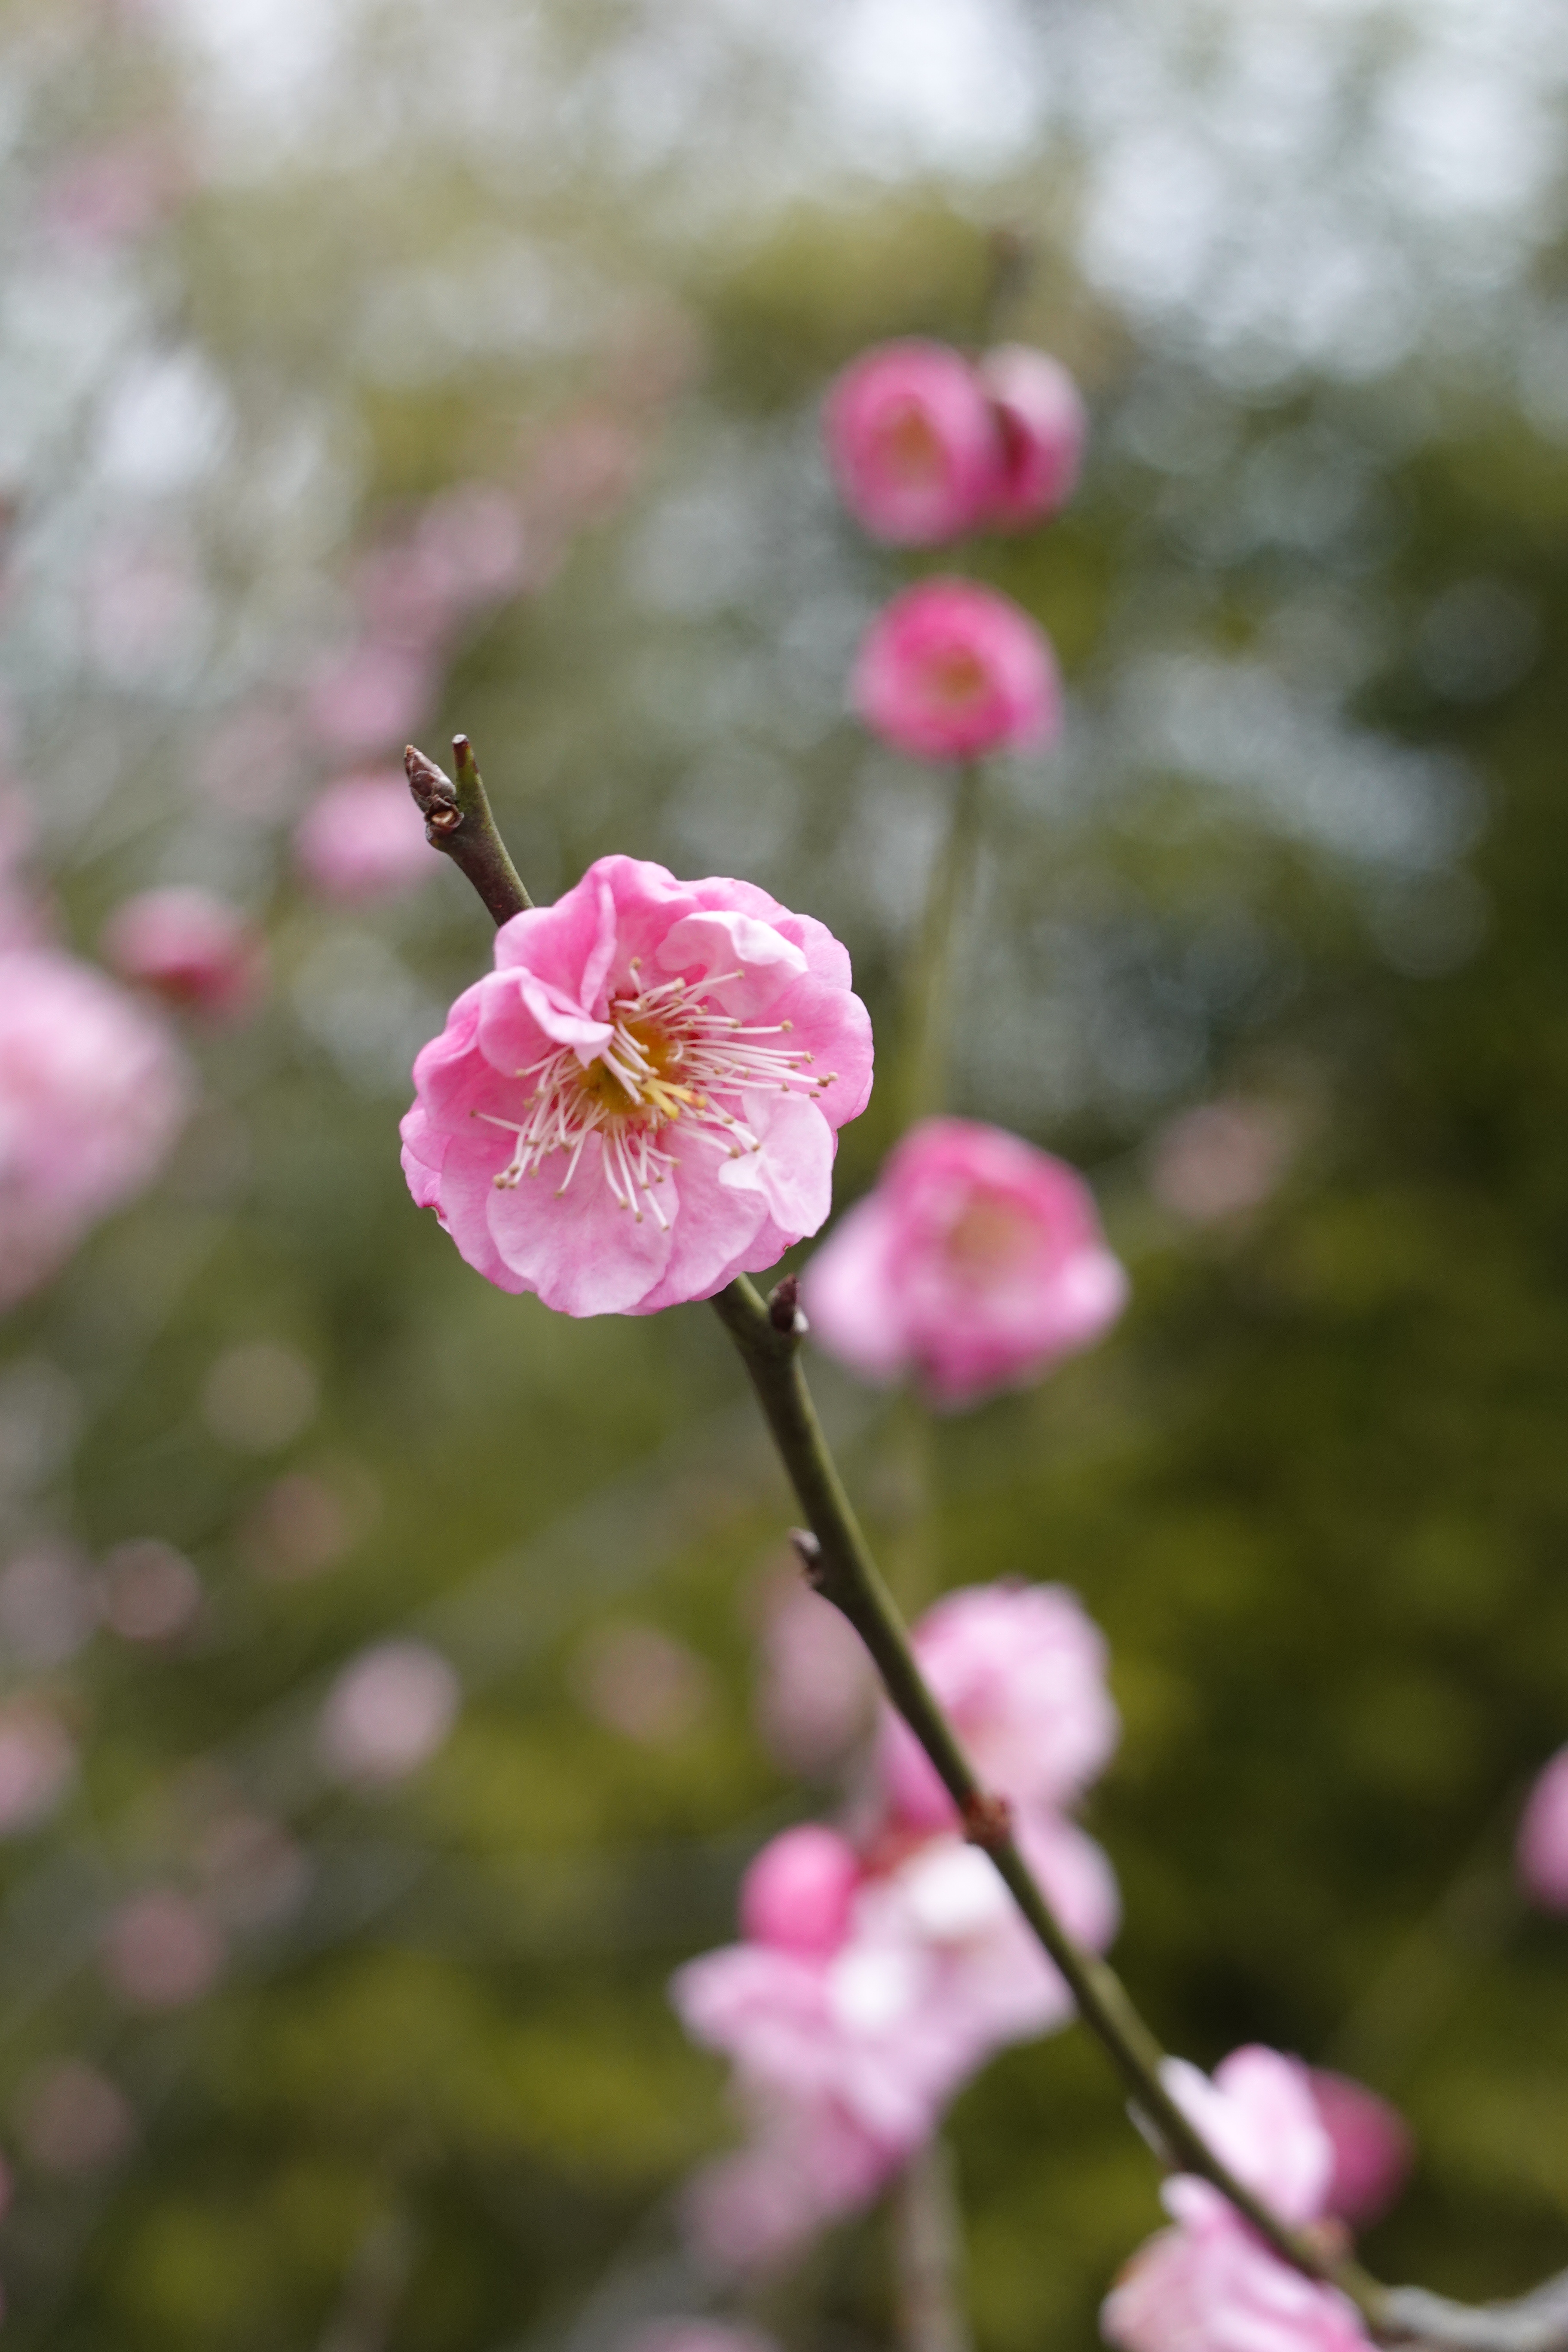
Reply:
x=839, y=1563
x=457, y=821
x=927, y=2253
x=931, y=995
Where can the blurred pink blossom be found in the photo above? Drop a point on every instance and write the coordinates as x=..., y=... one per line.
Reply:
x=855, y=2022
x=673, y=1059
x=362, y=839
x=1542, y=1852
x=1221, y=1158
x=641, y=1683
x=389, y=1711
x=949, y=670
x=149, y=1591
x=1211, y=2280
x=305, y=1522
x=72, y=2119
x=696, y=2336
x=47, y=1609
x=37, y=1762
x=1020, y=1671
x=815, y=1692
x=370, y=699
x=1372, y=2148
x=913, y=443
x=146, y=609
x=92, y=1092
x=113, y=193
x=163, y=1951
x=254, y=762
x=1042, y=428
x=1213, y=2286
x=191, y=947
x=798, y=1894
x=977, y=1263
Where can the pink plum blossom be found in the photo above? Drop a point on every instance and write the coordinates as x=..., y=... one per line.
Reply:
x=37, y=1762
x=846, y=2052
x=1211, y=2284
x=1215, y=2288
x=976, y=1263
x=1019, y=1669
x=92, y=1092
x=697, y=2335
x=798, y=1894
x=913, y=443
x=1042, y=428
x=191, y=947
x=1220, y=1159
x=641, y=1101
x=163, y=1951
x=1542, y=1853
x=815, y=1692
x=389, y=1711
x=1372, y=2148
x=362, y=839
x=949, y=670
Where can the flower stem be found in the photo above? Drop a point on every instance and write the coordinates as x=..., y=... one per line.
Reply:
x=457, y=821
x=839, y=1564
x=928, y=2254
x=930, y=1018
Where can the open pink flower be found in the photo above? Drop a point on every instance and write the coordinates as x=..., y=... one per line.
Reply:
x=1542, y=1854
x=976, y=1263
x=913, y=443
x=1215, y=2288
x=642, y=1100
x=92, y=1092
x=363, y=838
x=1019, y=1670
x=192, y=947
x=1211, y=2284
x=1042, y=428
x=849, y=2040
x=949, y=670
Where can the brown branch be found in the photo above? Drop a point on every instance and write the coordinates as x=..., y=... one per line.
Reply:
x=457, y=821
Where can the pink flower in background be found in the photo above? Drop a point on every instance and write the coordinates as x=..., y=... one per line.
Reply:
x=1372, y=2148
x=73, y=2120
x=643, y=1684
x=1042, y=429
x=37, y=1762
x=389, y=1711
x=696, y=2336
x=949, y=670
x=92, y=1092
x=1020, y=1671
x=194, y=949
x=163, y=1951
x=642, y=1099
x=149, y=1591
x=816, y=1691
x=362, y=839
x=798, y=1894
x=912, y=442
x=1542, y=1852
x=976, y=1263
x=876, y=1979
x=1215, y=2288
x=1211, y=2282
x=1220, y=1159
x=373, y=697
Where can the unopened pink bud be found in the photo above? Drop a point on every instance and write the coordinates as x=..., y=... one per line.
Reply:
x=1042, y=429
x=913, y=443
x=949, y=670
x=798, y=1893
x=363, y=839
x=1372, y=2148
x=1542, y=1849
x=193, y=949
